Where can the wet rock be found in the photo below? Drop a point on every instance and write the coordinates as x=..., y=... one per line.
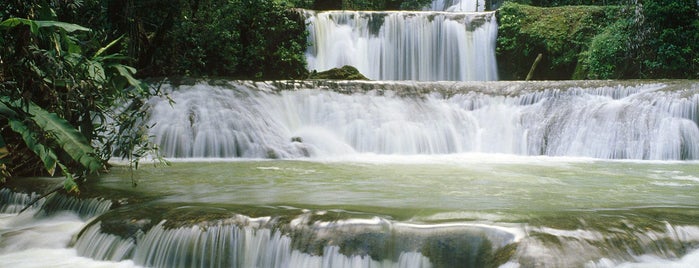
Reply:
x=343, y=73
x=271, y=154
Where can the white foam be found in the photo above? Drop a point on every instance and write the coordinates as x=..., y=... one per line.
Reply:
x=29, y=242
x=690, y=260
x=56, y=257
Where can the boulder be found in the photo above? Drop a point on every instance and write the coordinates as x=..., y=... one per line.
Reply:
x=343, y=73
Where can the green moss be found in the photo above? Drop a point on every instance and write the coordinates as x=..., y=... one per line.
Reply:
x=503, y=255
x=560, y=34
x=344, y=73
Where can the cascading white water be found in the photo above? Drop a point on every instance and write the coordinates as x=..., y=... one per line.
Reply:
x=11, y=202
x=636, y=122
x=423, y=46
x=458, y=5
x=241, y=241
x=39, y=236
x=224, y=245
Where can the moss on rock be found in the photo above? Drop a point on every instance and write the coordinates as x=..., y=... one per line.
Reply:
x=343, y=73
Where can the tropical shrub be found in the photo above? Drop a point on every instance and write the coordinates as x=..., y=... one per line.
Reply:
x=608, y=56
x=58, y=91
x=671, y=29
x=656, y=39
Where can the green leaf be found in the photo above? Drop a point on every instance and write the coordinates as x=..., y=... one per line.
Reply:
x=68, y=27
x=126, y=72
x=69, y=183
x=111, y=57
x=72, y=44
x=14, y=22
x=47, y=156
x=34, y=25
x=96, y=71
x=5, y=110
x=102, y=50
x=65, y=134
x=56, y=43
x=68, y=138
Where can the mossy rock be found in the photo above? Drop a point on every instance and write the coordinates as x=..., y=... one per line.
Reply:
x=343, y=73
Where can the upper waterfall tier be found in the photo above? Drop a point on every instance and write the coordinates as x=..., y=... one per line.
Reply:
x=421, y=46
x=458, y=5
x=602, y=119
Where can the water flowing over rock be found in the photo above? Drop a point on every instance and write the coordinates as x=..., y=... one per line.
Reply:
x=241, y=241
x=599, y=119
x=423, y=46
x=458, y=5
x=14, y=202
x=306, y=240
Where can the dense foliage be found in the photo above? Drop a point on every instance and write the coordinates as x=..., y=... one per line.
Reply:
x=560, y=34
x=658, y=39
x=252, y=39
x=556, y=3
x=667, y=35
x=58, y=90
x=655, y=39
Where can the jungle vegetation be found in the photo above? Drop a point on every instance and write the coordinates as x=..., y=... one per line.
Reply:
x=651, y=39
x=61, y=90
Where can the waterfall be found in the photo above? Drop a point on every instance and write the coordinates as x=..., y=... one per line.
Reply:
x=83, y=207
x=13, y=202
x=424, y=46
x=458, y=5
x=646, y=121
x=349, y=243
x=242, y=241
x=574, y=248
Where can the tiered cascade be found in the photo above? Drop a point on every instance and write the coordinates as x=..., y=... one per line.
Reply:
x=647, y=121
